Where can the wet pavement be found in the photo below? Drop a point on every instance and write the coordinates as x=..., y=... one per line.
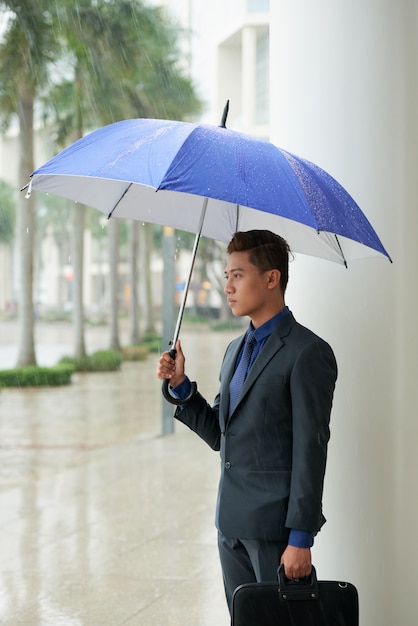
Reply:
x=104, y=521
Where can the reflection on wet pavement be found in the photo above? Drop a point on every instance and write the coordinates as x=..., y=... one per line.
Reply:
x=53, y=428
x=103, y=521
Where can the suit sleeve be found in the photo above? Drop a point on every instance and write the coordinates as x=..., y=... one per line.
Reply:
x=203, y=419
x=312, y=386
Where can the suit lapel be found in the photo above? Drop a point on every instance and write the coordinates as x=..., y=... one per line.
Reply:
x=273, y=344
x=228, y=368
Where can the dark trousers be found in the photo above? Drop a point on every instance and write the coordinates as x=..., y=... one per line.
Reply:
x=247, y=561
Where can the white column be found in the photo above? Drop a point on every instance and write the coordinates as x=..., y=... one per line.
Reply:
x=344, y=95
x=405, y=416
x=249, y=61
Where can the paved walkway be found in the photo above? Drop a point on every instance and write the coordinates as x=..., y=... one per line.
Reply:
x=103, y=521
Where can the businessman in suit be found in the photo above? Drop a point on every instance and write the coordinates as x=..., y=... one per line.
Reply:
x=270, y=420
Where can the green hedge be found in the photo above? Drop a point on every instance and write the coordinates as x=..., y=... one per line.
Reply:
x=35, y=376
x=153, y=342
x=101, y=361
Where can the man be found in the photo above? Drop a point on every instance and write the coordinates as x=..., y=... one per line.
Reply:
x=273, y=430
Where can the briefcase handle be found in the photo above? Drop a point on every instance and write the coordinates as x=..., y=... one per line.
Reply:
x=301, y=589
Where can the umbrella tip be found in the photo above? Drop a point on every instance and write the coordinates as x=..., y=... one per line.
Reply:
x=224, y=115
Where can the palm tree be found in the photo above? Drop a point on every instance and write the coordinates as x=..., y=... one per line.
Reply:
x=134, y=334
x=125, y=64
x=146, y=250
x=24, y=55
x=114, y=343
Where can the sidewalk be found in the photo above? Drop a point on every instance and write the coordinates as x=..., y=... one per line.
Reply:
x=103, y=521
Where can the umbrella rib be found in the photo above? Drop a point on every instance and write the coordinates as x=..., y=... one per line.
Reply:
x=341, y=250
x=120, y=200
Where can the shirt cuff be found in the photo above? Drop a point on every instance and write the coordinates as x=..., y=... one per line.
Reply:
x=300, y=539
x=182, y=390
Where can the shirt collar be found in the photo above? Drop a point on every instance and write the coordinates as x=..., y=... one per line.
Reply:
x=267, y=328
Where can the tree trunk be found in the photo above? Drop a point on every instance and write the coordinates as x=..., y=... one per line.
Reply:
x=113, y=226
x=78, y=280
x=26, y=235
x=78, y=240
x=146, y=252
x=134, y=335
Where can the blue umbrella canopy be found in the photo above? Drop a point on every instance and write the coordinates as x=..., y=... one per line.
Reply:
x=163, y=171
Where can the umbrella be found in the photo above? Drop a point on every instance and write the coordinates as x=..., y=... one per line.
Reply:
x=211, y=181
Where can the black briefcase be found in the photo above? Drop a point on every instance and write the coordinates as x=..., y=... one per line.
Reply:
x=284, y=602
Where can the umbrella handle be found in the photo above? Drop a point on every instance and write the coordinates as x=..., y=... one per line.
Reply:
x=178, y=401
x=166, y=393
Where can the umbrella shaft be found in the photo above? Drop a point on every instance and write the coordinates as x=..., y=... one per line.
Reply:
x=189, y=277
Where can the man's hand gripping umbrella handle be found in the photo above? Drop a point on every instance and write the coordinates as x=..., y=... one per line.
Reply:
x=166, y=392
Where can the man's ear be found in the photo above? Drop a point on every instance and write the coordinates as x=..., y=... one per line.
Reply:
x=273, y=279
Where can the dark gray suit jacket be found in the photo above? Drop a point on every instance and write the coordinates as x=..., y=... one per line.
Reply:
x=274, y=446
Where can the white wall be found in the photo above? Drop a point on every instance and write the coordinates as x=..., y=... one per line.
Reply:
x=344, y=95
x=344, y=81
x=208, y=23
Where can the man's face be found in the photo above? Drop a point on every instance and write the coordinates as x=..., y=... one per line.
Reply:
x=246, y=289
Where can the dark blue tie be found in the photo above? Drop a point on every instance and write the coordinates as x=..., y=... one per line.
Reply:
x=239, y=377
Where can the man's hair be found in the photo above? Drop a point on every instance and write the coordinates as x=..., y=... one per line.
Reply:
x=267, y=251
